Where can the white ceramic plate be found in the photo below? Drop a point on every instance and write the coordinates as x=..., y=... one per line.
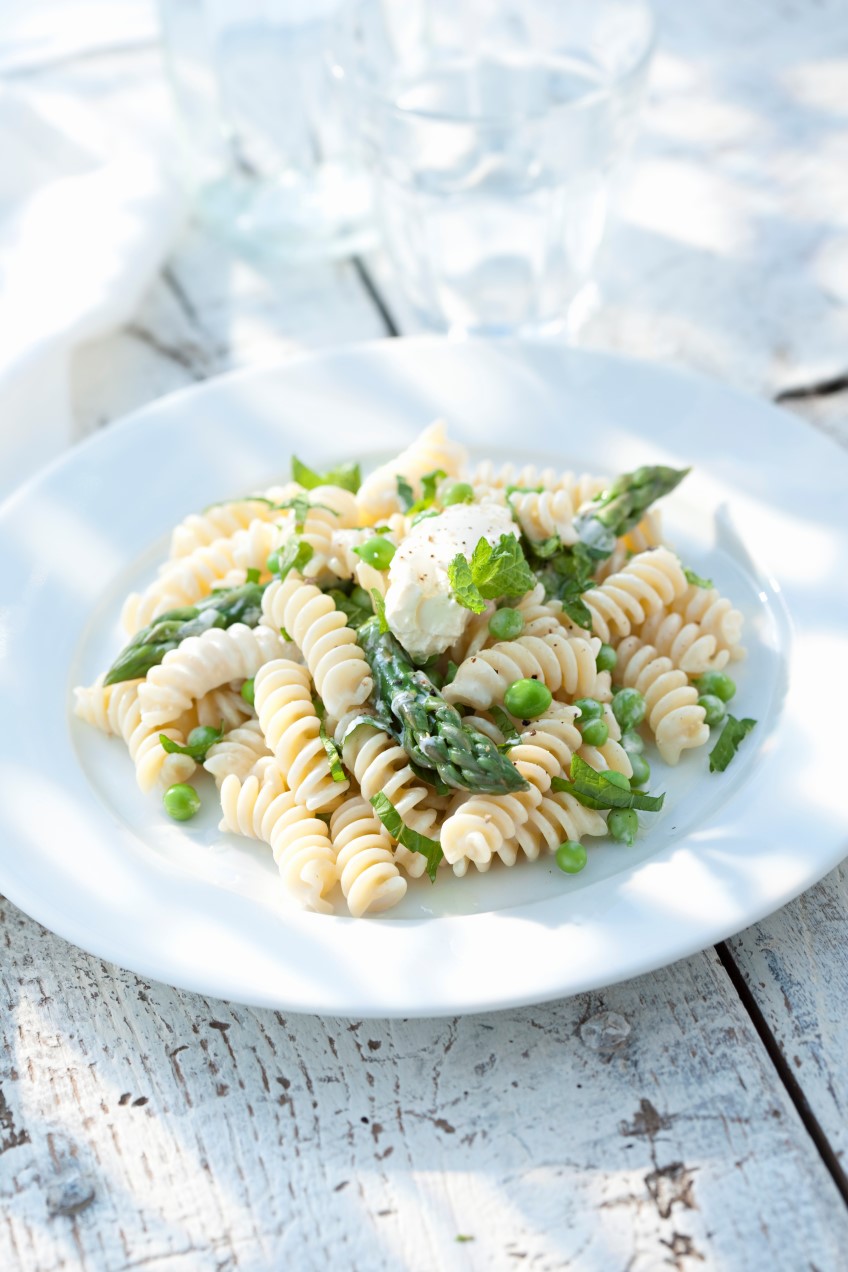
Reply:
x=762, y=513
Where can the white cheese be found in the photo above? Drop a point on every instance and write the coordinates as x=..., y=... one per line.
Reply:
x=419, y=607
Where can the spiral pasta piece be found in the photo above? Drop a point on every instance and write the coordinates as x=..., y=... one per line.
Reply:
x=190, y=578
x=201, y=663
x=489, y=479
x=364, y=860
x=671, y=703
x=115, y=709
x=689, y=648
x=222, y=706
x=647, y=583
x=547, y=746
x=557, y=818
x=262, y=808
x=289, y=721
x=560, y=659
x=223, y=520
x=331, y=509
x=431, y=450
x=714, y=615
x=545, y=514
x=481, y=827
x=237, y=752
x=335, y=661
x=379, y=764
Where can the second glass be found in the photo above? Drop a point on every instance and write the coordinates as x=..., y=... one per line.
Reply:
x=492, y=131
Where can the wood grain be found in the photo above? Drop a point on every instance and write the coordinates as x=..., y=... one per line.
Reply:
x=640, y=1128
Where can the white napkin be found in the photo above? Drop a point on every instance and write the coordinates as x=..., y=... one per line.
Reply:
x=85, y=221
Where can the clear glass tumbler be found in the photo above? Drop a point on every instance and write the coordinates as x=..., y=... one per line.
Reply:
x=492, y=130
x=270, y=155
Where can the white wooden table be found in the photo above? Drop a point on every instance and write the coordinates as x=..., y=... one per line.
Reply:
x=694, y=1118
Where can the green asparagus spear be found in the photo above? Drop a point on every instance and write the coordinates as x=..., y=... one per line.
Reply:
x=221, y=609
x=618, y=509
x=432, y=732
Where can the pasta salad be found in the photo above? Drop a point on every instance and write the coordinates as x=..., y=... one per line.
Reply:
x=439, y=666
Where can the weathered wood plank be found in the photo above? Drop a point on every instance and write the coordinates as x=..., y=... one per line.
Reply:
x=639, y=1128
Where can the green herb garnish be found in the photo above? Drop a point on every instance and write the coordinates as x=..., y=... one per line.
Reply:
x=493, y=571
x=734, y=732
x=197, y=744
x=348, y=476
x=431, y=849
x=696, y=580
x=333, y=755
x=405, y=493
x=510, y=734
x=380, y=610
x=355, y=613
x=294, y=555
x=604, y=790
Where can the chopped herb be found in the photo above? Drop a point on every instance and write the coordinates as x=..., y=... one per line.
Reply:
x=511, y=735
x=197, y=744
x=463, y=1236
x=301, y=504
x=493, y=571
x=523, y=490
x=450, y=674
x=423, y=516
x=380, y=609
x=429, y=482
x=348, y=476
x=431, y=849
x=333, y=755
x=602, y=790
x=355, y=613
x=294, y=555
x=252, y=575
x=733, y=733
x=320, y=709
x=696, y=580
x=285, y=635
x=406, y=495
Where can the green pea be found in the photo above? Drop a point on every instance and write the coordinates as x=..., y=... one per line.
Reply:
x=633, y=742
x=623, y=825
x=716, y=684
x=606, y=659
x=589, y=710
x=617, y=779
x=595, y=733
x=628, y=707
x=203, y=736
x=506, y=624
x=456, y=492
x=377, y=552
x=181, y=801
x=247, y=692
x=571, y=856
x=361, y=598
x=641, y=769
x=714, y=709
x=527, y=699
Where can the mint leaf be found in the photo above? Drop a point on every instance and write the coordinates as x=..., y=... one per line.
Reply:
x=696, y=580
x=355, y=613
x=734, y=732
x=333, y=755
x=428, y=486
x=301, y=504
x=397, y=828
x=463, y=587
x=380, y=609
x=348, y=476
x=406, y=495
x=294, y=555
x=600, y=791
x=511, y=735
x=198, y=742
x=493, y=571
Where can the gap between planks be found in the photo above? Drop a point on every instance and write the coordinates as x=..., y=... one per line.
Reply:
x=743, y=991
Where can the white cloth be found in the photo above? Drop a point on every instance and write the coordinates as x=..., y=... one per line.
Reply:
x=86, y=218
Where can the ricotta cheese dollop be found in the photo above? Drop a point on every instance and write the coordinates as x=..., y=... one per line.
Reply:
x=419, y=606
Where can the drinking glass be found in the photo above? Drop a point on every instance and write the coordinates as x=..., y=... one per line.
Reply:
x=493, y=130
x=269, y=152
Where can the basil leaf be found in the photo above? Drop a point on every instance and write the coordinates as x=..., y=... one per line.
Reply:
x=511, y=735
x=333, y=755
x=696, y=580
x=732, y=735
x=348, y=476
x=596, y=790
x=294, y=555
x=406, y=495
x=204, y=737
x=397, y=828
x=380, y=609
